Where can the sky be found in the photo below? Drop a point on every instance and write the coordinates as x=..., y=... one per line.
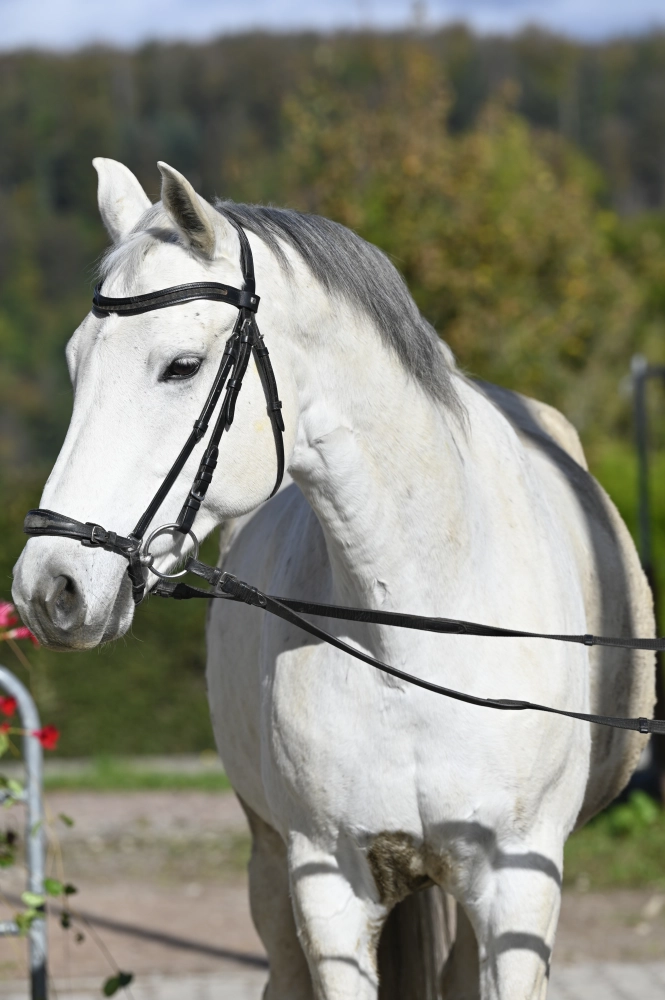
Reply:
x=69, y=24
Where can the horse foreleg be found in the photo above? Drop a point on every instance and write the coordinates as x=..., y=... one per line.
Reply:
x=272, y=913
x=515, y=917
x=339, y=923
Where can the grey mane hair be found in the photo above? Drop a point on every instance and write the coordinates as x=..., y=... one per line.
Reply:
x=346, y=265
x=342, y=262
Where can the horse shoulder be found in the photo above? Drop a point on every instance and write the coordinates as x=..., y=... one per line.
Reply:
x=278, y=548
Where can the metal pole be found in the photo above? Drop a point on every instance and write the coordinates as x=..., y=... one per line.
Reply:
x=34, y=833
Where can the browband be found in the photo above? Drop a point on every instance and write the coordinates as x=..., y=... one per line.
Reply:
x=132, y=305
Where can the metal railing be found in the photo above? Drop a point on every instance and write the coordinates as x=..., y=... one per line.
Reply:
x=34, y=833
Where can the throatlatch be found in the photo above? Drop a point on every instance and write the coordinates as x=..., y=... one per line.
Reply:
x=245, y=341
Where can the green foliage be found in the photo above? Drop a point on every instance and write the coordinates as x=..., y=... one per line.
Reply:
x=53, y=887
x=25, y=919
x=497, y=230
x=621, y=848
x=614, y=463
x=12, y=791
x=33, y=899
x=8, y=845
x=631, y=818
x=117, y=982
x=34, y=909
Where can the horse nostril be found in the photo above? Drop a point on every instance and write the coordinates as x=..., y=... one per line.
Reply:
x=64, y=602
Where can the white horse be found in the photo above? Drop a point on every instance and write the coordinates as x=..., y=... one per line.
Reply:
x=413, y=490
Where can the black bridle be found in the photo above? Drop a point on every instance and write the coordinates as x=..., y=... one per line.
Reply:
x=246, y=340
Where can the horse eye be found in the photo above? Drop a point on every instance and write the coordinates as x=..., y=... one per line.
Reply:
x=181, y=368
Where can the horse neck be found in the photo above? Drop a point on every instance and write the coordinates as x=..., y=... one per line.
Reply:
x=381, y=463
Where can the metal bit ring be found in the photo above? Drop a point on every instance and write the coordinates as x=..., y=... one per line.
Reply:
x=147, y=559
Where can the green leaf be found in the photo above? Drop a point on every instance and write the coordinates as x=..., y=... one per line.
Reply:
x=65, y=920
x=53, y=887
x=33, y=899
x=115, y=983
x=15, y=787
x=25, y=920
x=4, y=743
x=67, y=820
x=69, y=889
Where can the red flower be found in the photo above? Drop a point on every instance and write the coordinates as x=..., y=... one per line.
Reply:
x=48, y=737
x=7, y=616
x=21, y=633
x=8, y=706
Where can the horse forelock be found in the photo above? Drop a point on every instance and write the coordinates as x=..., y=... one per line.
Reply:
x=341, y=261
x=127, y=258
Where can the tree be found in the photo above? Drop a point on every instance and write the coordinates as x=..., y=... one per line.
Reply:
x=497, y=230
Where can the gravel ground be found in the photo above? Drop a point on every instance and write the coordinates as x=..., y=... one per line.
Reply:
x=162, y=889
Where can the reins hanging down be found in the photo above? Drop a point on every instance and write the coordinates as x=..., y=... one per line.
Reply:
x=245, y=341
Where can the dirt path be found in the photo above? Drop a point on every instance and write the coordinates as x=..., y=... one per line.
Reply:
x=162, y=886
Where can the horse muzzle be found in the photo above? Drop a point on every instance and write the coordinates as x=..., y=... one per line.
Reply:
x=62, y=594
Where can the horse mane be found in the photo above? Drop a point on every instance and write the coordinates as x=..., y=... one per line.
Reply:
x=341, y=261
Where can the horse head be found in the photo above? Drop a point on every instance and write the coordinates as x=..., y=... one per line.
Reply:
x=139, y=382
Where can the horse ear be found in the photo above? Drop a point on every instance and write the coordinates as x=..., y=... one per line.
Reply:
x=121, y=199
x=204, y=229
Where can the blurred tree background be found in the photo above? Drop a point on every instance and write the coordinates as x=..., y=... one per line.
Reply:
x=518, y=183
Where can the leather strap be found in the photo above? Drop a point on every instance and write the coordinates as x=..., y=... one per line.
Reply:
x=132, y=305
x=227, y=586
x=446, y=626
x=267, y=376
x=48, y=522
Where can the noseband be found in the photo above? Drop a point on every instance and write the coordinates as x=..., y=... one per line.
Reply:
x=245, y=340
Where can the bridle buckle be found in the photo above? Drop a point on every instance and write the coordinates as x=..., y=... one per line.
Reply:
x=99, y=536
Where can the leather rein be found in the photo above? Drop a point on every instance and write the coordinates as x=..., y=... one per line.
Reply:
x=245, y=341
